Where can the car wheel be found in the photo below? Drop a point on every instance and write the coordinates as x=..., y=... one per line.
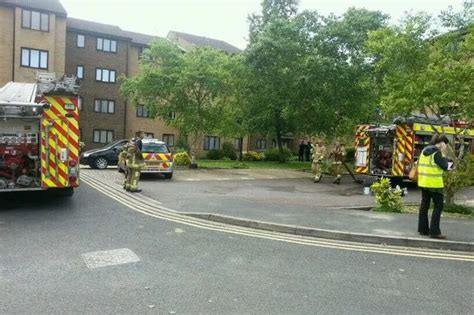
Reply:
x=168, y=175
x=101, y=163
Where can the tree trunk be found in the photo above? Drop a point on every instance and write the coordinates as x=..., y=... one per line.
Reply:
x=279, y=141
x=241, y=148
x=449, y=197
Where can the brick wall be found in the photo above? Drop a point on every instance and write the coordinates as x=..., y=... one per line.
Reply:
x=6, y=40
x=90, y=90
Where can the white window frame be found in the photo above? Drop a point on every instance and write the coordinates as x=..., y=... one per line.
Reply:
x=104, y=106
x=80, y=71
x=102, y=136
x=105, y=75
x=26, y=56
x=81, y=41
x=35, y=20
x=106, y=45
x=166, y=137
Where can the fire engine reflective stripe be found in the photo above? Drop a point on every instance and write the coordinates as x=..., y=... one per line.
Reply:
x=404, y=149
x=362, y=140
x=69, y=127
x=56, y=179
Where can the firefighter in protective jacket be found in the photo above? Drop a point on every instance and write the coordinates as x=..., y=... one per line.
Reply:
x=319, y=154
x=133, y=162
x=338, y=152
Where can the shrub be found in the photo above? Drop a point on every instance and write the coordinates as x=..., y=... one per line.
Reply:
x=462, y=176
x=240, y=165
x=273, y=154
x=387, y=198
x=252, y=156
x=350, y=155
x=229, y=151
x=215, y=154
x=182, y=158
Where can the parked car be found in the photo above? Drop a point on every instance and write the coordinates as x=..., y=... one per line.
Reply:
x=103, y=157
x=158, y=158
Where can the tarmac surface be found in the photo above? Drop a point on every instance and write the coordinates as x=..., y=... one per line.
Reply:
x=79, y=255
x=291, y=198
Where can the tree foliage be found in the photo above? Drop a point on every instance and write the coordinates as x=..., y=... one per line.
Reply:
x=419, y=70
x=196, y=85
x=306, y=73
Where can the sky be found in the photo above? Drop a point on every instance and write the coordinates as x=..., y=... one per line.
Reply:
x=222, y=19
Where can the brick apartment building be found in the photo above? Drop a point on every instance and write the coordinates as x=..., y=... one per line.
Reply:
x=37, y=36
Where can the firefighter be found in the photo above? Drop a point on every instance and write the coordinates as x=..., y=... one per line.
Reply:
x=338, y=152
x=133, y=161
x=319, y=153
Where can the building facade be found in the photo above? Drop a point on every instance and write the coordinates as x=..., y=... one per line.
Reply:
x=33, y=39
x=37, y=36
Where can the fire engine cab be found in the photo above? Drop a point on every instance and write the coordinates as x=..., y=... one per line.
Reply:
x=390, y=150
x=39, y=135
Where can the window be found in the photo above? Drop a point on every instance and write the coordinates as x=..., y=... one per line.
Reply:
x=237, y=143
x=35, y=20
x=261, y=144
x=172, y=115
x=142, y=112
x=81, y=40
x=105, y=75
x=168, y=139
x=104, y=106
x=107, y=45
x=149, y=135
x=80, y=72
x=80, y=101
x=34, y=58
x=212, y=143
x=103, y=136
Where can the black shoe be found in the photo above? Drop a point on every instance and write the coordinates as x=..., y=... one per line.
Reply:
x=424, y=233
x=439, y=236
x=136, y=191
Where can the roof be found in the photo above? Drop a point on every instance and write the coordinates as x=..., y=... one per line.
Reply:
x=45, y=5
x=94, y=27
x=201, y=41
x=18, y=92
x=141, y=39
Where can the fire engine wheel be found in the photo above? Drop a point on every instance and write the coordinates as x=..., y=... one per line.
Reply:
x=101, y=163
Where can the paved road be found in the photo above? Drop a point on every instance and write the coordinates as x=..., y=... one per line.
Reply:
x=45, y=244
x=286, y=200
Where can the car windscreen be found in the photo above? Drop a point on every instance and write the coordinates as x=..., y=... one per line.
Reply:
x=151, y=147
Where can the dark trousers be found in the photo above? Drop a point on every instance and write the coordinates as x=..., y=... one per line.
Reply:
x=438, y=199
x=301, y=156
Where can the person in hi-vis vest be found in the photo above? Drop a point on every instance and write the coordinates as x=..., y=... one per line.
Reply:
x=431, y=165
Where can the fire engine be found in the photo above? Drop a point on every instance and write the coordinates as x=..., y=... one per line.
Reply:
x=39, y=135
x=390, y=150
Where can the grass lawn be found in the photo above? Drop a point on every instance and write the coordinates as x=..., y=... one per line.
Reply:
x=294, y=165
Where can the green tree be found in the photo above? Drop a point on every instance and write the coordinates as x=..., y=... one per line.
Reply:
x=307, y=73
x=422, y=71
x=196, y=85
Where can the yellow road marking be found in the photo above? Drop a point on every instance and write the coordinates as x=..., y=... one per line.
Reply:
x=123, y=198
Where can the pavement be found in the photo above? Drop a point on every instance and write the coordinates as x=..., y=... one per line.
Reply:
x=288, y=201
x=97, y=252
